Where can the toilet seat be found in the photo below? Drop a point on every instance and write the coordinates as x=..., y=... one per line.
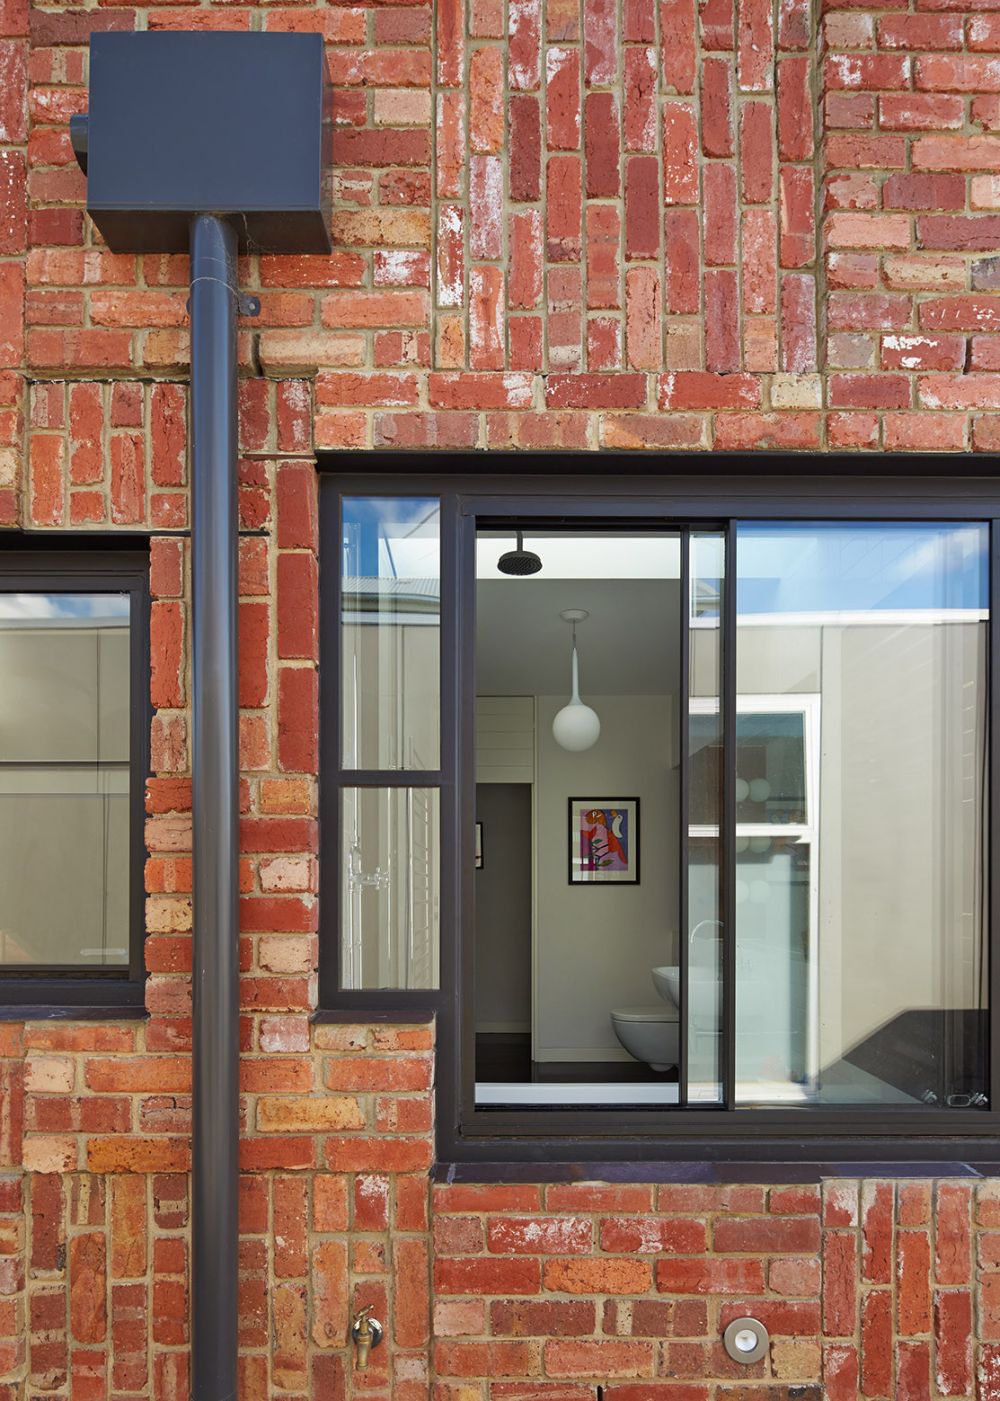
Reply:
x=661, y=1013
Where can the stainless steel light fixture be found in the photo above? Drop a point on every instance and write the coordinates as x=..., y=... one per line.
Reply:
x=746, y=1340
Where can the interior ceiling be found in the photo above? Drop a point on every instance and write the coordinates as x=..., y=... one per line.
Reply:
x=628, y=646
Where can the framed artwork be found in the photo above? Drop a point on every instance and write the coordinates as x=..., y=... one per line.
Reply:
x=604, y=841
x=480, y=863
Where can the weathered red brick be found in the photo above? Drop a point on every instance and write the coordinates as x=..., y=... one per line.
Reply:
x=756, y=152
x=682, y=271
x=642, y=207
x=953, y=1334
x=755, y=45
x=488, y=1275
x=680, y=150
x=677, y=52
x=602, y=137
x=716, y=107
x=595, y=391
x=525, y=147
x=710, y=1276
x=719, y=213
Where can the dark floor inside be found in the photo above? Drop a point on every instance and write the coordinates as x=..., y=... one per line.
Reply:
x=506, y=1056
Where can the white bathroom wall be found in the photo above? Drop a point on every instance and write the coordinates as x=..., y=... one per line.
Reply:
x=899, y=907
x=595, y=945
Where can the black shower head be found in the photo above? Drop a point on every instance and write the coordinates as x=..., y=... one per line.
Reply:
x=519, y=561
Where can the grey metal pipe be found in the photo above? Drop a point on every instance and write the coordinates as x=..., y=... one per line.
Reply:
x=215, y=769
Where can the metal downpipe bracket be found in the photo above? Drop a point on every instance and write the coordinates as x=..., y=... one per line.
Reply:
x=215, y=770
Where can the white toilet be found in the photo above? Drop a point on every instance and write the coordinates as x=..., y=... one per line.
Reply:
x=653, y=1033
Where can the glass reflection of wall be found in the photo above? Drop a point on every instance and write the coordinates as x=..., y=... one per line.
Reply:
x=706, y=572
x=64, y=780
x=391, y=605
x=391, y=895
x=390, y=703
x=861, y=659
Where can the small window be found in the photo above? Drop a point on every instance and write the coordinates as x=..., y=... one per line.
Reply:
x=678, y=818
x=73, y=720
x=384, y=747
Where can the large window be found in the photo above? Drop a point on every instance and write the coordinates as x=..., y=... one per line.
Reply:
x=73, y=716
x=674, y=809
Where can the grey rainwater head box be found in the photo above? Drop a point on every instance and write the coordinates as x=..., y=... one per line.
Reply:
x=183, y=123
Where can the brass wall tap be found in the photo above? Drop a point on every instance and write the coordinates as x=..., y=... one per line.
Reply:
x=366, y=1333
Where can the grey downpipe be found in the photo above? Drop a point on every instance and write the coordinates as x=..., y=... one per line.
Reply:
x=215, y=846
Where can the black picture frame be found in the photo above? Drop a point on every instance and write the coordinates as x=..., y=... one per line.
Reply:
x=575, y=876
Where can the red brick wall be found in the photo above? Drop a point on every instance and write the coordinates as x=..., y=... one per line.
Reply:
x=653, y=224
x=878, y=1289
x=867, y=1289
x=589, y=225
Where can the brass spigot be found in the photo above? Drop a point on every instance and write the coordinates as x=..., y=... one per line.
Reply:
x=367, y=1333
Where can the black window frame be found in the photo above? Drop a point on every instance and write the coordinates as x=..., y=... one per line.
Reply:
x=93, y=564
x=668, y=490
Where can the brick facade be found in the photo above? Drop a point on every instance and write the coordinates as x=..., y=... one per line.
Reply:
x=635, y=225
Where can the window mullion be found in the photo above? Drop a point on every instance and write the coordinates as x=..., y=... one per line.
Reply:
x=684, y=919
x=727, y=846
x=992, y=862
x=458, y=1032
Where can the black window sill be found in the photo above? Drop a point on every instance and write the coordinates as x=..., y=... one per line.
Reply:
x=701, y=1173
x=25, y=1012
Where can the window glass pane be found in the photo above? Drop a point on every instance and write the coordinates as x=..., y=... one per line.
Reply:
x=861, y=791
x=64, y=780
x=577, y=942
x=703, y=995
x=391, y=604
x=770, y=768
x=391, y=888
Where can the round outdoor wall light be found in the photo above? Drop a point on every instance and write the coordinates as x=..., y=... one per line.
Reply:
x=746, y=1340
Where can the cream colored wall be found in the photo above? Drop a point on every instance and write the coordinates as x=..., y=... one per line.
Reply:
x=595, y=945
x=397, y=704
x=901, y=784
x=64, y=701
x=898, y=895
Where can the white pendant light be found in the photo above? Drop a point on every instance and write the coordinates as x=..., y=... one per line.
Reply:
x=576, y=727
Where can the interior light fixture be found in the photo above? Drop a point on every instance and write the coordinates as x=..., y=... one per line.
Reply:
x=577, y=726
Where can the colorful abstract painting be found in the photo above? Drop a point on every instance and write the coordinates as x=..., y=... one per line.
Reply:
x=604, y=841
